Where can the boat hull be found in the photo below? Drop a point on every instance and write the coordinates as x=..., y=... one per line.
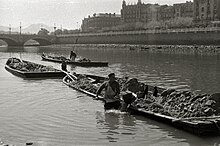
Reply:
x=83, y=64
x=35, y=75
x=198, y=126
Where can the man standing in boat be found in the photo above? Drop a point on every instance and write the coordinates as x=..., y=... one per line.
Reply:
x=64, y=66
x=112, y=91
x=72, y=56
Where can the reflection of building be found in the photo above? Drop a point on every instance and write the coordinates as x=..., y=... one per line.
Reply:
x=100, y=21
x=206, y=10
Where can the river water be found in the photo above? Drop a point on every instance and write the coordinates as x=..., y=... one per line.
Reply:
x=48, y=113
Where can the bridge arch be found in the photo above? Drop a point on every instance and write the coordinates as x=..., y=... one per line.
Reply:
x=41, y=41
x=10, y=41
x=21, y=39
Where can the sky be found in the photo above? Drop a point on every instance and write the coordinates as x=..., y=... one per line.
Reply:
x=68, y=13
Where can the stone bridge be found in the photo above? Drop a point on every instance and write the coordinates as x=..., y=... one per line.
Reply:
x=20, y=39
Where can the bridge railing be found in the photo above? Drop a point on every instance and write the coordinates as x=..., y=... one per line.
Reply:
x=153, y=31
x=17, y=33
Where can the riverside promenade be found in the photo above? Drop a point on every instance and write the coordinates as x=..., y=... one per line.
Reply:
x=189, y=36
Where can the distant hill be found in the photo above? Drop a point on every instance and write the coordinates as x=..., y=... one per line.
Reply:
x=34, y=28
x=3, y=28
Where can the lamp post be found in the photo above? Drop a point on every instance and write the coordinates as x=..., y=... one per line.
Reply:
x=9, y=28
x=61, y=29
x=20, y=28
x=77, y=26
x=54, y=28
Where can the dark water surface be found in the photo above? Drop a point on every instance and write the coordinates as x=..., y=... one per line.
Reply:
x=48, y=113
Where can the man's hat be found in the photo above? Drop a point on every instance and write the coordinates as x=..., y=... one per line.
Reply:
x=111, y=74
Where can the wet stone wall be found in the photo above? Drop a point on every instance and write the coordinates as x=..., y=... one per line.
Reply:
x=174, y=38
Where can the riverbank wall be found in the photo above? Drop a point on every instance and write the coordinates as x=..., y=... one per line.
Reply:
x=153, y=37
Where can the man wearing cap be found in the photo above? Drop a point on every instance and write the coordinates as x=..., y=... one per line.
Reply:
x=112, y=91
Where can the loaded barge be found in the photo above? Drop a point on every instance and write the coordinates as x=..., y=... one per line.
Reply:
x=201, y=126
x=29, y=70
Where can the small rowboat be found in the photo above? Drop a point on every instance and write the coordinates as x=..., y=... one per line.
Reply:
x=83, y=63
x=30, y=70
x=70, y=81
x=209, y=125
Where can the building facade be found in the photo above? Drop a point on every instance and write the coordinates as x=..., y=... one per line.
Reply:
x=206, y=11
x=166, y=13
x=200, y=11
x=145, y=13
x=183, y=9
x=139, y=12
x=100, y=21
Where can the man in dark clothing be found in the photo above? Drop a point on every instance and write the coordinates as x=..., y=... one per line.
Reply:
x=112, y=91
x=64, y=66
x=72, y=56
x=155, y=93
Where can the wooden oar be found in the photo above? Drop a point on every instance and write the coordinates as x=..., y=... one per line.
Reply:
x=20, y=58
x=98, y=97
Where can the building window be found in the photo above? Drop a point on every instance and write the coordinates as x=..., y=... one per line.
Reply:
x=203, y=9
x=202, y=16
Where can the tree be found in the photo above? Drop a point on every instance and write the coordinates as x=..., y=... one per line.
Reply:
x=182, y=22
x=74, y=31
x=153, y=25
x=43, y=31
x=139, y=25
x=58, y=32
x=65, y=31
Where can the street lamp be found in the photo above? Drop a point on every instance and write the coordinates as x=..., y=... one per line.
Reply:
x=61, y=29
x=77, y=25
x=54, y=28
x=20, y=28
x=9, y=28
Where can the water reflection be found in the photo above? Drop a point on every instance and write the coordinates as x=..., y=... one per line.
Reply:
x=114, y=123
x=159, y=129
x=3, y=48
x=14, y=49
x=163, y=68
x=31, y=49
x=191, y=71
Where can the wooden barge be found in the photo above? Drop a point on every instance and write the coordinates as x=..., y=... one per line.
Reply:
x=76, y=63
x=33, y=74
x=201, y=126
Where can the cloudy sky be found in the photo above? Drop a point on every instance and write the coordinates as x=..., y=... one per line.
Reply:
x=68, y=13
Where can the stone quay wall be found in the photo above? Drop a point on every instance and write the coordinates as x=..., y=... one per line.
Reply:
x=203, y=36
